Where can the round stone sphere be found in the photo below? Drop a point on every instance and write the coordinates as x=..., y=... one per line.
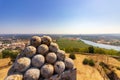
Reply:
x=47, y=70
x=35, y=41
x=22, y=64
x=46, y=40
x=32, y=74
x=14, y=77
x=53, y=47
x=51, y=57
x=59, y=67
x=38, y=60
x=29, y=51
x=69, y=64
x=61, y=55
x=43, y=49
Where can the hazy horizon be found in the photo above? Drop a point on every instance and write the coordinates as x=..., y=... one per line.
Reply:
x=60, y=17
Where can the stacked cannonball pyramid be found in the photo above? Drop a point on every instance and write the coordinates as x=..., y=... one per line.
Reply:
x=40, y=60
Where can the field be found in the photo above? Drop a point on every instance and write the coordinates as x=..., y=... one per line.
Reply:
x=70, y=43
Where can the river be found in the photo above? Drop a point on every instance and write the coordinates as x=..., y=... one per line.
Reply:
x=101, y=45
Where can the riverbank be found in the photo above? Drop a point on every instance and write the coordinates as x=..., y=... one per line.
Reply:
x=101, y=45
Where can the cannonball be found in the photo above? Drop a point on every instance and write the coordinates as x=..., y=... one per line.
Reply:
x=14, y=77
x=32, y=74
x=69, y=64
x=46, y=40
x=61, y=55
x=22, y=64
x=51, y=57
x=35, y=41
x=38, y=60
x=59, y=67
x=43, y=49
x=29, y=51
x=53, y=47
x=47, y=70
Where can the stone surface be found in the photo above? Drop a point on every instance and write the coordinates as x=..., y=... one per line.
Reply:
x=43, y=49
x=51, y=57
x=69, y=64
x=59, y=67
x=38, y=60
x=46, y=40
x=15, y=77
x=47, y=70
x=53, y=47
x=32, y=74
x=42, y=60
x=22, y=64
x=35, y=41
x=61, y=55
x=29, y=51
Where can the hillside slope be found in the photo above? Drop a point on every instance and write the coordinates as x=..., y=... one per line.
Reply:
x=84, y=72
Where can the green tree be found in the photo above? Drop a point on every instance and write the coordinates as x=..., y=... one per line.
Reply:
x=91, y=49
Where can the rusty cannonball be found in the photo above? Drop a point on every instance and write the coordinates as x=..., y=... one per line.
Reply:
x=53, y=47
x=14, y=77
x=32, y=74
x=61, y=55
x=22, y=64
x=46, y=40
x=69, y=64
x=47, y=70
x=59, y=67
x=38, y=60
x=29, y=51
x=35, y=41
x=43, y=49
x=51, y=57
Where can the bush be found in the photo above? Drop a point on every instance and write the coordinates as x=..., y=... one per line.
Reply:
x=72, y=56
x=91, y=49
x=85, y=61
x=6, y=53
x=89, y=62
x=9, y=54
x=118, y=68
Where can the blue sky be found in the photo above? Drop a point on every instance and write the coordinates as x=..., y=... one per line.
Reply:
x=60, y=16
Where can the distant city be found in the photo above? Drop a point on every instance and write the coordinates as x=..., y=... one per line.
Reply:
x=19, y=41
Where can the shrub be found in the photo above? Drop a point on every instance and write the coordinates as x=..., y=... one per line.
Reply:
x=85, y=61
x=13, y=56
x=89, y=62
x=10, y=54
x=6, y=53
x=118, y=68
x=72, y=56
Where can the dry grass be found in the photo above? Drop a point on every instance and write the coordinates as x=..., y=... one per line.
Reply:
x=3, y=73
x=84, y=72
x=4, y=70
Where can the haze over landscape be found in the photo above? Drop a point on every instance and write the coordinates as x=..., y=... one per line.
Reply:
x=59, y=16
